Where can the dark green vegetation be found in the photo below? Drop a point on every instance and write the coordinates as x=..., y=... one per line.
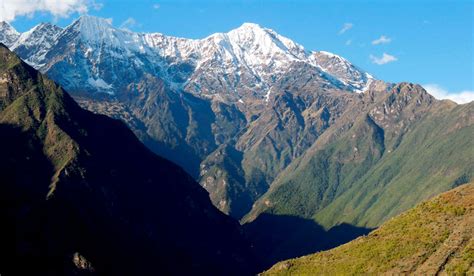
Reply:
x=435, y=237
x=80, y=194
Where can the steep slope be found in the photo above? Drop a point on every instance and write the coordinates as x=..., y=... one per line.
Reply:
x=8, y=35
x=379, y=161
x=80, y=193
x=382, y=156
x=33, y=45
x=436, y=237
x=342, y=69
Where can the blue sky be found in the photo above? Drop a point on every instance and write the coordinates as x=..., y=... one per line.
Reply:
x=426, y=42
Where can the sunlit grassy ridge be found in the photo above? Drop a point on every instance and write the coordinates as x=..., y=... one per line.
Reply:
x=435, y=236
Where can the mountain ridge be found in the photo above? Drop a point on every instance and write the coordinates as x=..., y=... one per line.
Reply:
x=262, y=41
x=75, y=200
x=435, y=237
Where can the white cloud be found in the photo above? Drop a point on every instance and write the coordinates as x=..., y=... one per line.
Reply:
x=10, y=9
x=440, y=93
x=384, y=59
x=348, y=42
x=156, y=6
x=128, y=23
x=382, y=40
x=346, y=27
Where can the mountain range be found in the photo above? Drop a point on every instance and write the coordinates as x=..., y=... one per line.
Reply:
x=80, y=195
x=191, y=100
x=275, y=133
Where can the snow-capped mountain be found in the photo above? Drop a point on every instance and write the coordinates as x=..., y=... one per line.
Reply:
x=233, y=109
x=34, y=44
x=91, y=56
x=343, y=70
x=249, y=58
x=8, y=35
x=242, y=63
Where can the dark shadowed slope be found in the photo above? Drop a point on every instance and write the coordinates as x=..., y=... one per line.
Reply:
x=80, y=193
x=435, y=237
x=280, y=237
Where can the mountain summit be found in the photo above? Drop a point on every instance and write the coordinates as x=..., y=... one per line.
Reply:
x=244, y=62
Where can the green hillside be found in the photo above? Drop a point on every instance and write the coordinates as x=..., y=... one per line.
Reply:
x=382, y=156
x=405, y=148
x=437, y=236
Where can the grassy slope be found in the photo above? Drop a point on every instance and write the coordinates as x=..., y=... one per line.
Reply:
x=333, y=187
x=435, y=156
x=436, y=236
x=333, y=168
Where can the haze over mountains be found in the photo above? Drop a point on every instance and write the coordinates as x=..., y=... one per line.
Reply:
x=274, y=132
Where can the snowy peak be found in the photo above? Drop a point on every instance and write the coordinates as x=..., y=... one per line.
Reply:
x=88, y=23
x=249, y=25
x=44, y=33
x=252, y=37
x=342, y=69
x=33, y=45
x=98, y=34
x=92, y=28
x=247, y=60
x=8, y=34
x=249, y=52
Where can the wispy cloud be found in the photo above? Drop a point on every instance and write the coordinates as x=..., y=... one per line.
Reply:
x=348, y=42
x=10, y=9
x=156, y=6
x=128, y=24
x=96, y=5
x=384, y=59
x=440, y=93
x=381, y=40
x=346, y=27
